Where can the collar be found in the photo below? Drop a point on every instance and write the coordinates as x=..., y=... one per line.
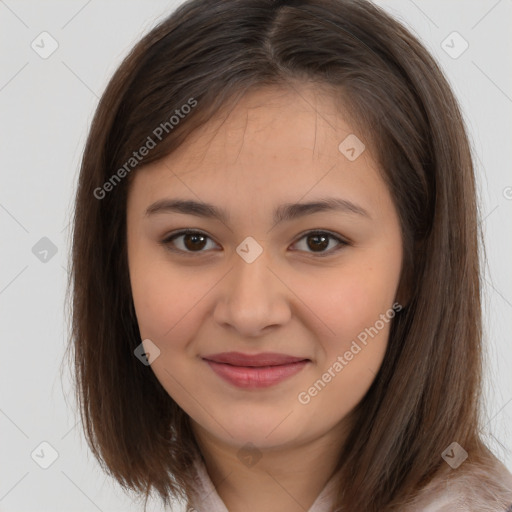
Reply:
x=206, y=498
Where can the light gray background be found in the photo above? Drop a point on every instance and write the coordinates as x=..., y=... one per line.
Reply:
x=46, y=108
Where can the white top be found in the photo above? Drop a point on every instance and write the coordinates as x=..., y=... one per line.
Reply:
x=208, y=499
x=471, y=491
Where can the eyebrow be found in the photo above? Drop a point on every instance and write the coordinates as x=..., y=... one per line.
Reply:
x=283, y=213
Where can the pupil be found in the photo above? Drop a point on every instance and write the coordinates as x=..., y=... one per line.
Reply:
x=194, y=238
x=323, y=244
x=191, y=241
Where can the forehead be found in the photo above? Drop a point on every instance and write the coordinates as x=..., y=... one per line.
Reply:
x=287, y=124
x=281, y=143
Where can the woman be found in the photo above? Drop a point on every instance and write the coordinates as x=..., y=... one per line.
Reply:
x=223, y=359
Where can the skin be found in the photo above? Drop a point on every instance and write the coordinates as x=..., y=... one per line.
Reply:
x=276, y=146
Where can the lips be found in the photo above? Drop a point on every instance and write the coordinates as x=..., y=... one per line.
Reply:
x=255, y=371
x=254, y=360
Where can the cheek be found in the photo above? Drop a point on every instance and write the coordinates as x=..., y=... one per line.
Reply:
x=164, y=299
x=352, y=352
x=351, y=302
x=357, y=308
x=168, y=309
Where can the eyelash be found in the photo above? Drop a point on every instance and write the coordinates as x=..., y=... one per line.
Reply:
x=166, y=242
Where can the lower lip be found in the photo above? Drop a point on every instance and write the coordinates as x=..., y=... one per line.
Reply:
x=256, y=377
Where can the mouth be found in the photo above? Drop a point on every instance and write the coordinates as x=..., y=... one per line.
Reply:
x=254, y=360
x=255, y=371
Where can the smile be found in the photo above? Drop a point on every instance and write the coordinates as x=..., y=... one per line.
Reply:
x=255, y=377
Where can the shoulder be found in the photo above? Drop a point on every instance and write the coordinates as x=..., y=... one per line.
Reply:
x=469, y=488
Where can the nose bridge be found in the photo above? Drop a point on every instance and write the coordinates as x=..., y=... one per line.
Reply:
x=250, y=272
x=252, y=297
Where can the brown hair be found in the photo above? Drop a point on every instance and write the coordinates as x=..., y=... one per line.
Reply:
x=427, y=392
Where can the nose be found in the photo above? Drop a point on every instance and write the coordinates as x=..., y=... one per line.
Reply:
x=253, y=298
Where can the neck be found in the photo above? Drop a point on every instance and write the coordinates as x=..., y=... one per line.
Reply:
x=251, y=479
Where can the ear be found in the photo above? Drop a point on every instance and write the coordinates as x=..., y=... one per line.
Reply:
x=403, y=294
x=405, y=285
x=411, y=262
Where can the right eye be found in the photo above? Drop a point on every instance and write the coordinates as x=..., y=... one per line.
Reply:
x=191, y=241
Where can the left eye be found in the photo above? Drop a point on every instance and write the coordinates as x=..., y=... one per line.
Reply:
x=320, y=240
x=195, y=241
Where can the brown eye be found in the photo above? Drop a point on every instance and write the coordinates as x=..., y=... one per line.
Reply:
x=318, y=242
x=191, y=241
x=194, y=241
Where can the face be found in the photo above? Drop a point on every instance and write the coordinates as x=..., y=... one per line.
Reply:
x=315, y=283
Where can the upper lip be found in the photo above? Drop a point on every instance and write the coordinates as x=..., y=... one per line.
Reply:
x=263, y=359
